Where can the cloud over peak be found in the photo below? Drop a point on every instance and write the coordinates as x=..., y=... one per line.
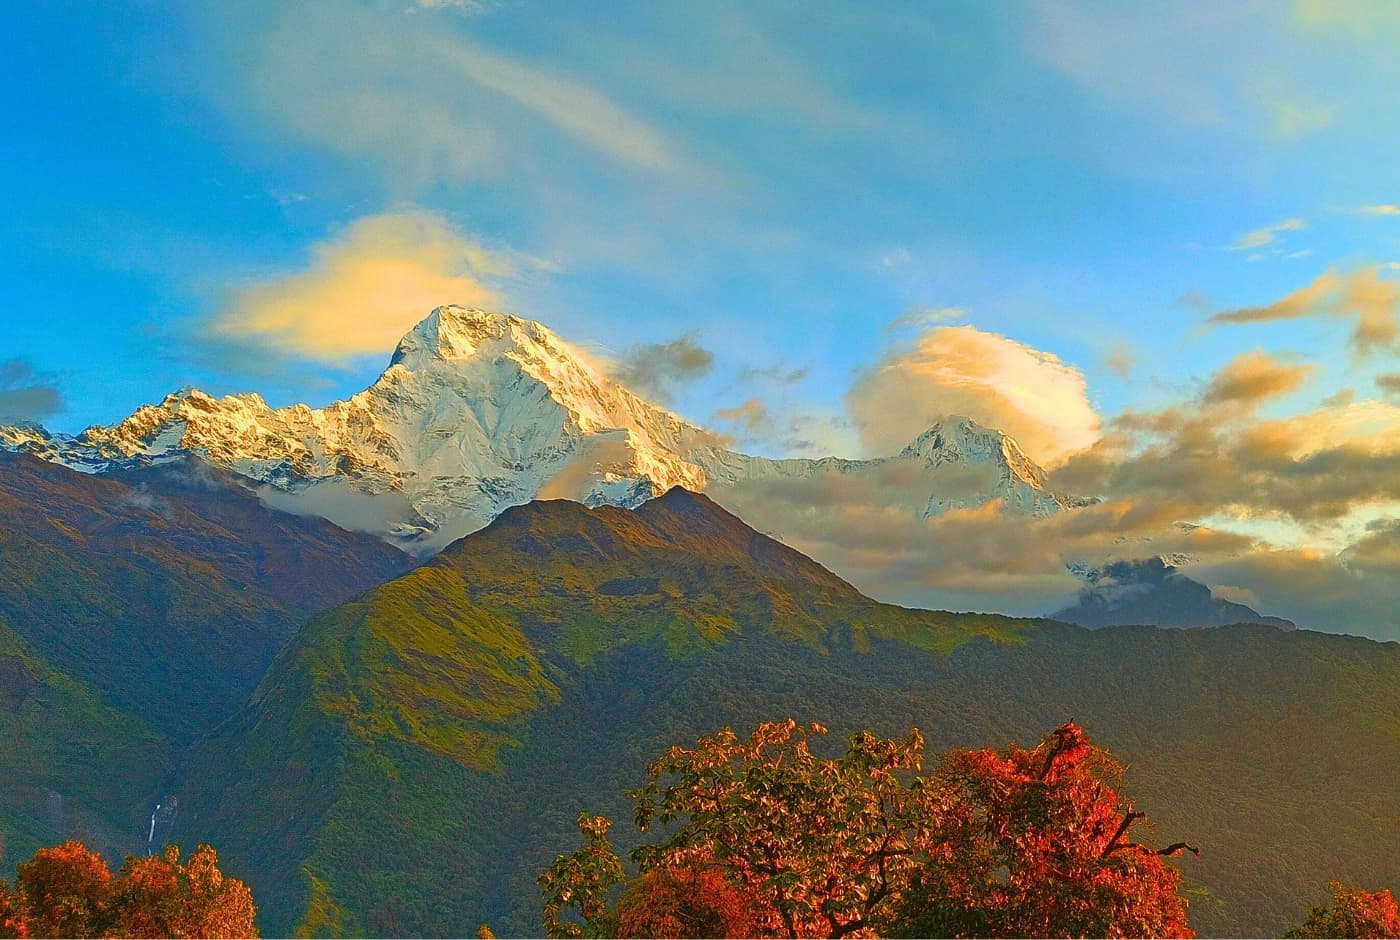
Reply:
x=1032, y=395
x=366, y=287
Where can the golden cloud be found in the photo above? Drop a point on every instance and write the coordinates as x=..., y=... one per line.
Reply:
x=1252, y=378
x=1361, y=294
x=365, y=288
x=960, y=370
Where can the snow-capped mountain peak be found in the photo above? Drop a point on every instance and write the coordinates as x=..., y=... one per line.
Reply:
x=959, y=439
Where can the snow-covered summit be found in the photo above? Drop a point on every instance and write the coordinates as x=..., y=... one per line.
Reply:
x=479, y=411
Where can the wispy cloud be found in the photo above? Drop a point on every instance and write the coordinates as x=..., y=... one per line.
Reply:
x=921, y=318
x=1267, y=235
x=1361, y=295
x=1124, y=55
x=657, y=369
x=1253, y=378
x=429, y=104
x=1378, y=209
x=1119, y=359
x=751, y=421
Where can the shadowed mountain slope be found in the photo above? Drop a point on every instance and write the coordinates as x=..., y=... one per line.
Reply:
x=73, y=765
x=414, y=758
x=167, y=590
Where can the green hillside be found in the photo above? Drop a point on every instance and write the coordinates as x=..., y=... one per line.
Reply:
x=413, y=759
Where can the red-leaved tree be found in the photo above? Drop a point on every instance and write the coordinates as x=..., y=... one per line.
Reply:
x=768, y=839
x=690, y=900
x=63, y=891
x=1038, y=843
x=1354, y=913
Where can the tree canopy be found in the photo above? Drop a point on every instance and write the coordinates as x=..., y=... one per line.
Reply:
x=1354, y=913
x=766, y=838
x=68, y=891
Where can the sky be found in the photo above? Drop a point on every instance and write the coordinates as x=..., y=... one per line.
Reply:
x=1159, y=244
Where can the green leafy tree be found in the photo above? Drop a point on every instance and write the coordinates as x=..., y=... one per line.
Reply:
x=582, y=881
x=1354, y=913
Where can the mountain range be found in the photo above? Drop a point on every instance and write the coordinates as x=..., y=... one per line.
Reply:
x=382, y=653
x=137, y=610
x=478, y=412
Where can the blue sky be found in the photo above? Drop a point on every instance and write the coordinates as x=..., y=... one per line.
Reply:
x=780, y=181
x=1148, y=221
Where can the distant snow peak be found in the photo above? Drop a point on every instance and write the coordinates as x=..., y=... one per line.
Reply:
x=479, y=411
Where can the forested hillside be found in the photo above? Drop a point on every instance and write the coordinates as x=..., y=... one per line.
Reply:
x=414, y=759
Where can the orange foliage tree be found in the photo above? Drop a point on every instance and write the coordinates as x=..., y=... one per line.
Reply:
x=1354, y=913
x=689, y=900
x=1037, y=843
x=770, y=840
x=68, y=891
x=11, y=920
x=63, y=891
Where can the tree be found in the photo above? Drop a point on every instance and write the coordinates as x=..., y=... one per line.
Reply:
x=12, y=923
x=582, y=881
x=1037, y=843
x=63, y=891
x=767, y=839
x=1354, y=913
x=68, y=891
x=159, y=897
x=695, y=900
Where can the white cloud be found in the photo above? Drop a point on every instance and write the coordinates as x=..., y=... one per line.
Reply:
x=921, y=318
